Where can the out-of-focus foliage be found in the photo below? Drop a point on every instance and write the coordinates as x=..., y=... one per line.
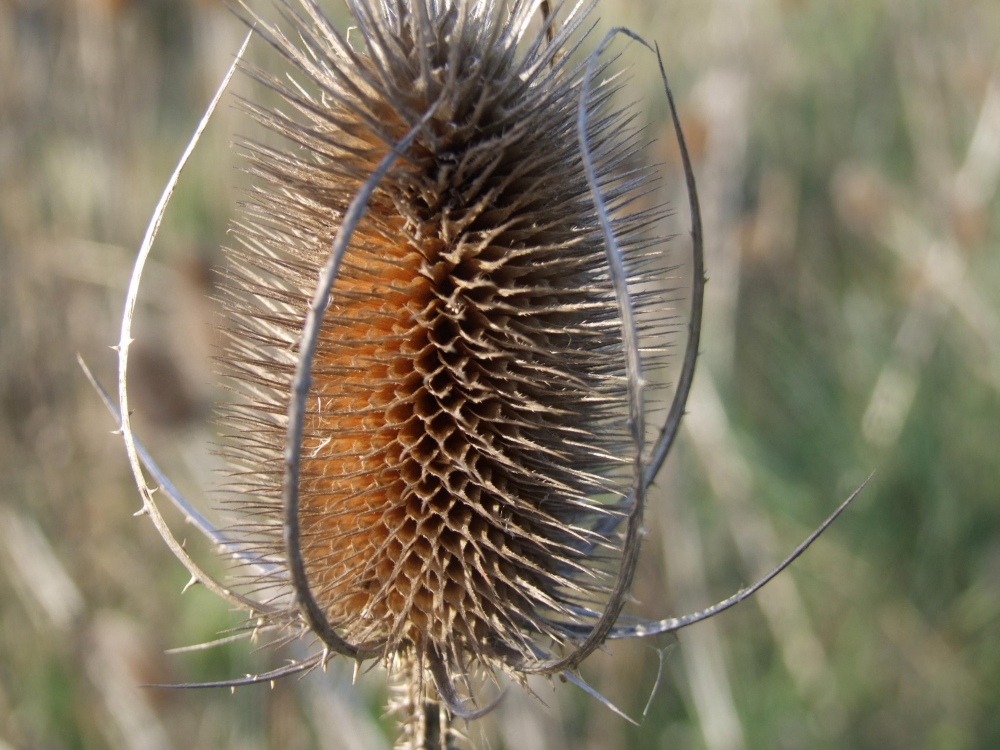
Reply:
x=848, y=153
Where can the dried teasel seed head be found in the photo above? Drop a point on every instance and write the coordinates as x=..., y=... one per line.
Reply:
x=467, y=440
x=434, y=445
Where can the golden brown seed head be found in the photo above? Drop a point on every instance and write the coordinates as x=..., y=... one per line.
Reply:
x=466, y=428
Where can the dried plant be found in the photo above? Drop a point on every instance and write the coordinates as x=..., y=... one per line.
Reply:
x=439, y=450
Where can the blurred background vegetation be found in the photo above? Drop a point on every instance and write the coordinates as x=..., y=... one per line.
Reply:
x=848, y=153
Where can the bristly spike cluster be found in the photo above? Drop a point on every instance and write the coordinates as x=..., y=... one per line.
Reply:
x=466, y=429
x=434, y=445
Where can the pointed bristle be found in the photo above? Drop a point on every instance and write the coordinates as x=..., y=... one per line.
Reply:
x=467, y=417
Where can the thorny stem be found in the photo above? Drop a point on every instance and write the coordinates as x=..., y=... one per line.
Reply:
x=425, y=722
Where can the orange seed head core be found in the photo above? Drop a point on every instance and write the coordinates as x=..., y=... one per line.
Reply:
x=466, y=428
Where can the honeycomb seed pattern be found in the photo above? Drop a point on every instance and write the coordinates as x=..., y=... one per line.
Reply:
x=466, y=424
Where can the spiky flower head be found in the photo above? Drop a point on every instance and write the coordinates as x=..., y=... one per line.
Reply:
x=435, y=311
x=465, y=433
